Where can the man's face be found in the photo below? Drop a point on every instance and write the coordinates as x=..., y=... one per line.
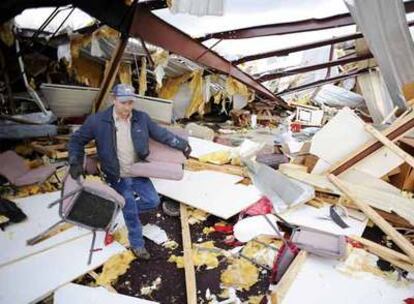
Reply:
x=123, y=109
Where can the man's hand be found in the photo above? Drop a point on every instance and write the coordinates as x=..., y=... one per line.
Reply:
x=75, y=170
x=187, y=151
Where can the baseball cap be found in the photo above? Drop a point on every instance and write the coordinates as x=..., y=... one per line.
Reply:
x=124, y=92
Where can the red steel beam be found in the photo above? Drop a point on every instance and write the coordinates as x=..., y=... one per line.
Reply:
x=314, y=67
x=306, y=25
x=298, y=48
x=303, y=47
x=158, y=32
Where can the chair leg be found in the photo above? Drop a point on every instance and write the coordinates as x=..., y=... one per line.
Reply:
x=42, y=235
x=92, y=247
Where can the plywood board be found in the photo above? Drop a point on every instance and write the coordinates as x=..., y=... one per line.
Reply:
x=311, y=217
x=332, y=286
x=79, y=294
x=35, y=277
x=39, y=218
x=214, y=192
x=202, y=147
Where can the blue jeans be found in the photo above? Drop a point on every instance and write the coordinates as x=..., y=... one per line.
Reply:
x=140, y=196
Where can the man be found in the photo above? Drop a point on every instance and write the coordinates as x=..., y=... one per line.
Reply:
x=121, y=135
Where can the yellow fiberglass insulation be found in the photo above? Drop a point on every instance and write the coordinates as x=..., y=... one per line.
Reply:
x=117, y=265
x=172, y=85
x=217, y=158
x=240, y=274
x=197, y=100
x=143, y=77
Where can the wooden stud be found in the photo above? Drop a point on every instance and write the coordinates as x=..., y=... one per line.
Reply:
x=94, y=275
x=286, y=281
x=396, y=258
x=399, y=240
x=190, y=278
x=109, y=78
x=392, y=146
x=394, y=132
x=196, y=165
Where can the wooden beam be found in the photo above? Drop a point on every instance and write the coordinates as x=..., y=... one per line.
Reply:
x=190, y=278
x=109, y=78
x=399, y=240
x=396, y=131
x=94, y=276
x=394, y=257
x=392, y=146
x=196, y=165
x=286, y=281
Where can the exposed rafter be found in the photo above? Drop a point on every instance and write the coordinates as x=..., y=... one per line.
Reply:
x=158, y=32
x=314, y=67
x=291, y=27
x=323, y=81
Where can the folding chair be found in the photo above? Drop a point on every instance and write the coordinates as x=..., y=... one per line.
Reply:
x=88, y=204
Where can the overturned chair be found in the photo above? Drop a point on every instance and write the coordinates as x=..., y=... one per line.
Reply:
x=88, y=204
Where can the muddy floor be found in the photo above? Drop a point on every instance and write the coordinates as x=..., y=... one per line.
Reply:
x=172, y=288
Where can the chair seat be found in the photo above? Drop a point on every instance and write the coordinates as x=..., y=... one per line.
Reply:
x=154, y=169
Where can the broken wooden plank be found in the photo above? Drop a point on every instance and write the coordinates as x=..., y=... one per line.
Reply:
x=392, y=146
x=196, y=165
x=109, y=78
x=288, y=278
x=399, y=240
x=94, y=276
x=190, y=278
x=394, y=132
x=396, y=258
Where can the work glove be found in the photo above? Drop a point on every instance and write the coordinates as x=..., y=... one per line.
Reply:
x=187, y=151
x=76, y=170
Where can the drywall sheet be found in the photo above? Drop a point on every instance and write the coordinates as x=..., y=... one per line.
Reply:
x=385, y=28
x=319, y=282
x=79, y=294
x=318, y=218
x=373, y=191
x=376, y=96
x=214, y=192
x=34, y=278
x=345, y=134
x=202, y=147
x=39, y=218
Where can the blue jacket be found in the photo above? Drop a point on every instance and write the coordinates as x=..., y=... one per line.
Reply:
x=101, y=128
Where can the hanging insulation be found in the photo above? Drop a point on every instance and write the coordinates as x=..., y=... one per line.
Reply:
x=125, y=73
x=143, y=77
x=197, y=100
x=172, y=85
